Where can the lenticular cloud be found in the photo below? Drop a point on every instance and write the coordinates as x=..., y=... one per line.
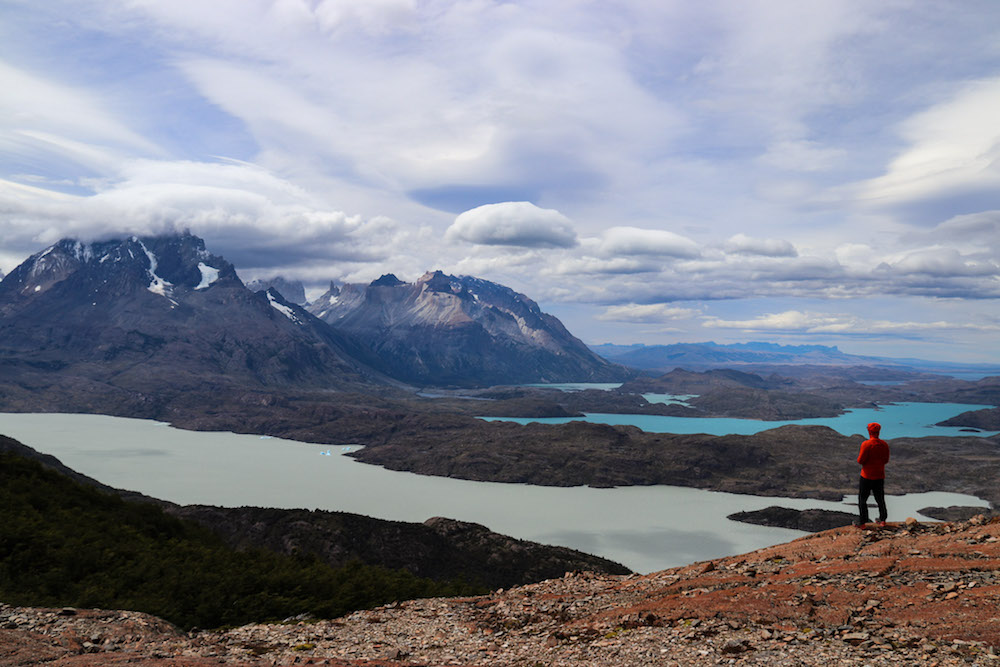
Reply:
x=516, y=223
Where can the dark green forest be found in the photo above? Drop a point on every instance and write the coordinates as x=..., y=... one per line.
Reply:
x=66, y=544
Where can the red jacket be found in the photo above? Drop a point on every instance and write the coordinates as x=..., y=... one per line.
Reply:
x=874, y=454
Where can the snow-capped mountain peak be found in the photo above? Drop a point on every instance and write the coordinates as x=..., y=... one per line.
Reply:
x=166, y=266
x=134, y=307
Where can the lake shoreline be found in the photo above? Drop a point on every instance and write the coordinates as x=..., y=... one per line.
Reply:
x=645, y=527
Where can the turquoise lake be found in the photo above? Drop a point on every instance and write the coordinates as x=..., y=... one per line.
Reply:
x=898, y=420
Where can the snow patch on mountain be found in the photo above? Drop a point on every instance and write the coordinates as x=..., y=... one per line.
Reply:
x=157, y=285
x=282, y=308
x=208, y=275
x=83, y=251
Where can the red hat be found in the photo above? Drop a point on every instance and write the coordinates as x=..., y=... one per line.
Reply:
x=873, y=429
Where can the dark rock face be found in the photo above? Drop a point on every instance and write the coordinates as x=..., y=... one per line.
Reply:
x=812, y=520
x=460, y=331
x=159, y=311
x=388, y=280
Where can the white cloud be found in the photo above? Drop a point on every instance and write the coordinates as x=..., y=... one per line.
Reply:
x=954, y=149
x=943, y=262
x=790, y=320
x=377, y=16
x=514, y=224
x=858, y=256
x=652, y=312
x=638, y=241
x=746, y=245
x=794, y=321
x=598, y=266
x=256, y=218
x=976, y=236
x=55, y=116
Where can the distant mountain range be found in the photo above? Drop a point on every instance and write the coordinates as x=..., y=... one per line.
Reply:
x=763, y=356
x=154, y=312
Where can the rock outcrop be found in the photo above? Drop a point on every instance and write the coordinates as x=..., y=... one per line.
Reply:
x=812, y=520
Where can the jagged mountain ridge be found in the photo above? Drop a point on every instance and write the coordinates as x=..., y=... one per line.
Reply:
x=458, y=330
x=291, y=290
x=155, y=310
x=164, y=312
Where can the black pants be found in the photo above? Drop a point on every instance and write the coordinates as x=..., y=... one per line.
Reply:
x=876, y=487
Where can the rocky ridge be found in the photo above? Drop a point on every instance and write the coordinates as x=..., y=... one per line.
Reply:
x=912, y=593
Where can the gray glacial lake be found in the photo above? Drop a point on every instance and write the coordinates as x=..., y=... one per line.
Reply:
x=645, y=528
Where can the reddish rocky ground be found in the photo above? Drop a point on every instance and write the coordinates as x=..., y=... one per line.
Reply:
x=911, y=593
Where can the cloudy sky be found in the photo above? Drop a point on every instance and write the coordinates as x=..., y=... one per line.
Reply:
x=819, y=172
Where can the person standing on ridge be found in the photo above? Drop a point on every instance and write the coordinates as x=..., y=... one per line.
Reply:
x=873, y=456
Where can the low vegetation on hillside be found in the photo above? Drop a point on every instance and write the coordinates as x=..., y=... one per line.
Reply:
x=66, y=544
